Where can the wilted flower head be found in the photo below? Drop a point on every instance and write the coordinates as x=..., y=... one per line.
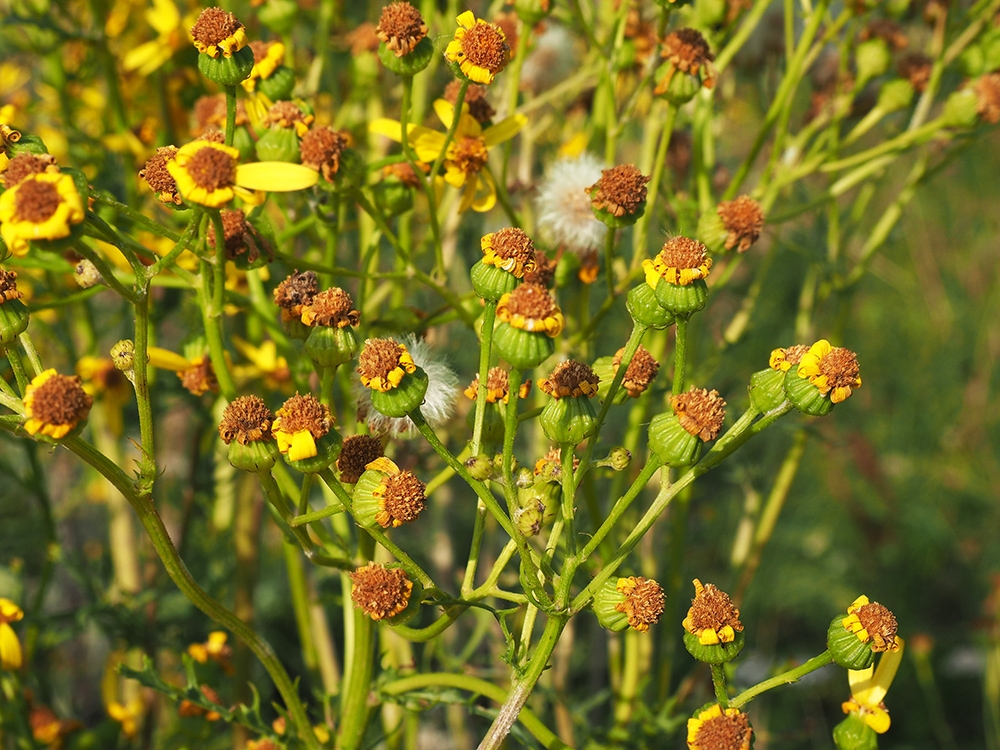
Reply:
x=355, y=454
x=743, y=219
x=479, y=48
x=717, y=728
x=379, y=591
x=25, y=165
x=218, y=32
x=700, y=412
x=564, y=207
x=644, y=601
x=400, y=28
x=713, y=617
x=54, y=404
x=621, y=190
x=321, y=149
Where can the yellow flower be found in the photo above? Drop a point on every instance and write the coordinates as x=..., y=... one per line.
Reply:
x=273, y=54
x=466, y=155
x=171, y=36
x=299, y=423
x=479, y=48
x=40, y=207
x=55, y=404
x=209, y=174
x=214, y=648
x=716, y=722
x=10, y=647
x=128, y=716
x=832, y=370
x=868, y=688
x=265, y=362
x=383, y=364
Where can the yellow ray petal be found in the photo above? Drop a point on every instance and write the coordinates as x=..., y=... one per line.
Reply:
x=275, y=176
x=504, y=130
x=486, y=193
x=165, y=359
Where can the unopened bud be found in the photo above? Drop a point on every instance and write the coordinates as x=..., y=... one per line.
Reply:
x=618, y=459
x=86, y=274
x=123, y=355
x=480, y=467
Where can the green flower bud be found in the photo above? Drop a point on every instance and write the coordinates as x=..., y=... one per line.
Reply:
x=672, y=443
x=327, y=450
x=767, y=389
x=872, y=58
x=644, y=308
x=568, y=421
x=607, y=599
x=854, y=734
x=393, y=197
x=404, y=398
x=255, y=456
x=226, y=71
x=682, y=300
x=532, y=12
x=480, y=467
x=123, y=355
x=680, y=88
x=491, y=282
x=895, y=95
x=522, y=349
x=398, y=385
x=279, y=85
x=244, y=143
x=278, y=144
x=544, y=495
x=961, y=109
x=696, y=416
x=711, y=232
x=493, y=422
x=618, y=459
x=330, y=346
x=804, y=396
x=528, y=518
x=409, y=64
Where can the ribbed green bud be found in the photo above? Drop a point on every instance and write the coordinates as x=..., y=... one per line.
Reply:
x=393, y=197
x=278, y=144
x=617, y=222
x=767, y=389
x=711, y=232
x=330, y=346
x=404, y=398
x=714, y=653
x=480, y=467
x=854, y=734
x=672, y=443
x=604, y=368
x=407, y=65
x=644, y=308
x=682, y=299
x=531, y=12
x=522, y=349
x=123, y=355
x=255, y=456
x=618, y=459
x=13, y=321
x=528, y=518
x=848, y=650
x=606, y=598
x=805, y=396
x=492, y=283
x=279, y=85
x=227, y=71
x=682, y=87
x=568, y=420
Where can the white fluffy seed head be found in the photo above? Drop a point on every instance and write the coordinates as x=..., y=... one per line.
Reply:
x=565, y=215
x=439, y=402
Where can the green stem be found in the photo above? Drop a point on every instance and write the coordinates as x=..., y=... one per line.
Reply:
x=485, y=349
x=528, y=718
x=178, y=572
x=719, y=683
x=230, y=113
x=29, y=348
x=609, y=257
x=140, y=381
x=785, y=678
x=680, y=353
x=17, y=366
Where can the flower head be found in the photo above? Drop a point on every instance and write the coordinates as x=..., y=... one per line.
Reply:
x=620, y=191
x=55, y=404
x=383, y=364
x=479, y=48
x=680, y=262
x=218, y=32
x=987, y=88
x=872, y=622
x=205, y=173
x=215, y=649
x=701, y=412
x=467, y=153
x=246, y=419
x=497, y=387
x=25, y=165
x=713, y=617
x=783, y=359
x=717, y=728
x=530, y=307
x=295, y=292
x=331, y=307
x=288, y=115
x=356, y=453
x=743, y=219
x=833, y=370
x=641, y=371
x=570, y=380
x=564, y=206
x=158, y=177
x=43, y=206
x=198, y=378
x=687, y=51
x=380, y=592
x=644, y=601
x=321, y=149
x=510, y=249
x=267, y=57
x=299, y=423
x=10, y=646
x=396, y=497
x=400, y=28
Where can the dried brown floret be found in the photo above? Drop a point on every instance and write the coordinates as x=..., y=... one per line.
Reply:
x=687, y=50
x=743, y=219
x=987, y=90
x=200, y=377
x=25, y=165
x=712, y=617
x=8, y=286
x=379, y=591
x=570, y=380
x=401, y=27
x=640, y=372
x=401, y=499
x=356, y=453
x=510, y=249
x=158, y=178
x=683, y=252
x=383, y=362
x=296, y=291
x=321, y=149
x=214, y=26
x=700, y=412
x=331, y=307
x=621, y=190
x=304, y=413
x=475, y=97
x=36, y=201
x=916, y=68
x=246, y=419
x=881, y=625
x=530, y=307
x=644, y=601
